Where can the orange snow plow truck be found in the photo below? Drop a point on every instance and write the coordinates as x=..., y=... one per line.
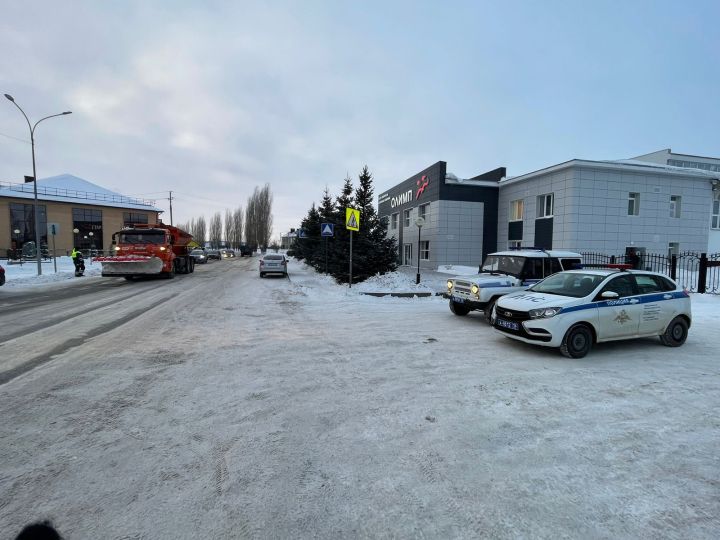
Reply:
x=144, y=250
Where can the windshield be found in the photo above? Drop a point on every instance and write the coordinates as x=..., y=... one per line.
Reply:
x=148, y=237
x=573, y=284
x=503, y=264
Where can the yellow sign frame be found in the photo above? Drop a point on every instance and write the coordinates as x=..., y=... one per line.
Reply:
x=352, y=219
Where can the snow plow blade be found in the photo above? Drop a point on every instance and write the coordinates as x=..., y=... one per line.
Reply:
x=130, y=265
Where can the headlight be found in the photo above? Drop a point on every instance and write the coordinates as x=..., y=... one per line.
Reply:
x=474, y=289
x=117, y=248
x=544, y=313
x=450, y=284
x=162, y=248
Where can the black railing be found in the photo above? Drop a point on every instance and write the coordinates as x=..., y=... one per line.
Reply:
x=75, y=194
x=697, y=272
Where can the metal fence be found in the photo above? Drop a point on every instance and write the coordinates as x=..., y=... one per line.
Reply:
x=697, y=272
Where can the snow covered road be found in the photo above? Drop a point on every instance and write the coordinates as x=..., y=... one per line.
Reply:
x=297, y=408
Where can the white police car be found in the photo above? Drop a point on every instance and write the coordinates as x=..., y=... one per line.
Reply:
x=574, y=309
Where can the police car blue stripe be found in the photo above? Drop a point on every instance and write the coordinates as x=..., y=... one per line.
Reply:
x=627, y=301
x=498, y=284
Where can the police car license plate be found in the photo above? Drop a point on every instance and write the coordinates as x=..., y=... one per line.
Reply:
x=507, y=324
x=458, y=300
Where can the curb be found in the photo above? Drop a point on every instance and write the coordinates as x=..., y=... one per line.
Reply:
x=403, y=294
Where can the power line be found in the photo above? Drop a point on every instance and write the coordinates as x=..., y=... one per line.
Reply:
x=14, y=138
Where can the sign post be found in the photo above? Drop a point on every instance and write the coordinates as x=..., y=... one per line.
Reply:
x=419, y=221
x=53, y=229
x=352, y=223
x=327, y=229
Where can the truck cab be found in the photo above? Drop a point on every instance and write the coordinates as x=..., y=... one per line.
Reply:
x=502, y=273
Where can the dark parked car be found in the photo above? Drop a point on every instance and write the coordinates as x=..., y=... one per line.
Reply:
x=199, y=256
x=213, y=254
x=2, y=276
x=273, y=264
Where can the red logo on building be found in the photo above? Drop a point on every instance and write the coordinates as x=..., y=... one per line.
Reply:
x=421, y=184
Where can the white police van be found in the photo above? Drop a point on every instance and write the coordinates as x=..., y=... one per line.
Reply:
x=505, y=272
x=574, y=309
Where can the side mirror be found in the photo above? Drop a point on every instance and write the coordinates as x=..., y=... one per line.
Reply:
x=609, y=295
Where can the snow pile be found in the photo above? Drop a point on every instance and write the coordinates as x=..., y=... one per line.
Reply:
x=25, y=274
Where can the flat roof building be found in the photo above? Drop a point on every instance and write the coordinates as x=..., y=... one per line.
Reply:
x=460, y=216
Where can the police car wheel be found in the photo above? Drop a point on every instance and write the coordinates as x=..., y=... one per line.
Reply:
x=489, y=309
x=459, y=309
x=676, y=333
x=577, y=342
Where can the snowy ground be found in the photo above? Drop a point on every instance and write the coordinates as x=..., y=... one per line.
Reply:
x=249, y=408
x=25, y=275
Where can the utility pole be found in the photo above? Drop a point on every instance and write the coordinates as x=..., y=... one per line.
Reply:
x=171, y=220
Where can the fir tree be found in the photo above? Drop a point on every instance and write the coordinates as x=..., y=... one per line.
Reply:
x=306, y=248
x=339, y=251
x=373, y=252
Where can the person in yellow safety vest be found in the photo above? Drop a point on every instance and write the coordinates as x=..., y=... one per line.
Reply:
x=74, y=253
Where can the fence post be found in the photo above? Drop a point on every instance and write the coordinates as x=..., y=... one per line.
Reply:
x=612, y=259
x=673, y=267
x=702, y=273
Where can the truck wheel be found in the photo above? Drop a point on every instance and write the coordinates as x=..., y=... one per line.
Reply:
x=577, y=341
x=676, y=333
x=459, y=309
x=489, y=309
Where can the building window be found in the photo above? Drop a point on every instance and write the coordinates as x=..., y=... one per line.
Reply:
x=88, y=222
x=545, y=206
x=673, y=249
x=516, y=210
x=407, y=252
x=694, y=165
x=514, y=244
x=633, y=204
x=675, y=206
x=423, y=210
x=129, y=218
x=715, y=224
x=406, y=217
x=22, y=219
x=394, y=221
x=425, y=250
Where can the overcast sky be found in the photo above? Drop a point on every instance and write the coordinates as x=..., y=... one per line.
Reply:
x=210, y=99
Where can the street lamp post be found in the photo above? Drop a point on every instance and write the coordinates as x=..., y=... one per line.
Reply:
x=92, y=245
x=75, y=233
x=419, y=221
x=35, y=204
x=15, y=249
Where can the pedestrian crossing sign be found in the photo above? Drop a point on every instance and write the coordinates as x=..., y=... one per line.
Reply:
x=352, y=219
x=327, y=229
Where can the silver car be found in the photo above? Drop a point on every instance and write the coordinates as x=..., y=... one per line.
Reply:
x=273, y=264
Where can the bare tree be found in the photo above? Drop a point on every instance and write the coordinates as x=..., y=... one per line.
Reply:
x=238, y=226
x=199, y=230
x=265, y=214
x=215, y=230
x=228, y=229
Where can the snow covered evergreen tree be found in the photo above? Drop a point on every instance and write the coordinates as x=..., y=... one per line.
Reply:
x=373, y=252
